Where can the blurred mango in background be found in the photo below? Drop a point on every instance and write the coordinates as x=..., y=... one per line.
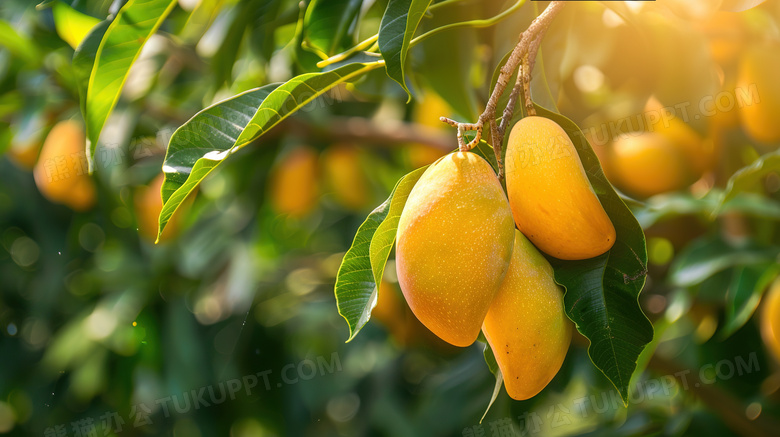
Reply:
x=758, y=70
x=345, y=176
x=295, y=182
x=61, y=170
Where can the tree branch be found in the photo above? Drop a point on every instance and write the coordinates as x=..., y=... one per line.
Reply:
x=524, y=52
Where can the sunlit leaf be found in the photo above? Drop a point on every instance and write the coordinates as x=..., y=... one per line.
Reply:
x=121, y=44
x=71, y=25
x=213, y=134
x=361, y=270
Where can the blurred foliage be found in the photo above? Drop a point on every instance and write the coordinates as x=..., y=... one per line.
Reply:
x=95, y=319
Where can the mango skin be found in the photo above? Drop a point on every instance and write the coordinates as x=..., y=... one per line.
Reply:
x=648, y=164
x=757, y=78
x=526, y=325
x=770, y=320
x=61, y=171
x=550, y=195
x=454, y=242
x=294, y=183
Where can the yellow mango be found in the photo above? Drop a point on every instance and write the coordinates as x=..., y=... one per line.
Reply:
x=726, y=33
x=454, y=242
x=699, y=154
x=61, y=170
x=526, y=325
x=770, y=320
x=552, y=201
x=647, y=164
x=148, y=204
x=345, y=176
x=294, y=182
x=759, y=109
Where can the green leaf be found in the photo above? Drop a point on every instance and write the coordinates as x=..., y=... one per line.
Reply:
x=490, y=359
x=602, y=293
x=398, y=25
x=71, y=25
x=326, y=25
x=19, y=45
x=213, y=134
x=748, y=178
x=364, y=263
x=118, y=50
x=745, y=291
x=84, y=60
x=706, y=257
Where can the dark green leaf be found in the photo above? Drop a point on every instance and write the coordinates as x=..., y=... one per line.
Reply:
x=396, y=30
x=326, y=25
x=208, y=138
x=121, y=44
x=602, y=293
x=364, y=263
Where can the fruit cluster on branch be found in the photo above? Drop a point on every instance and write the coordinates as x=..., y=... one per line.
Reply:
x=523, y=56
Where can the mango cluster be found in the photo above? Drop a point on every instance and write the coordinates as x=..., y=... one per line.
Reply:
x=468, y=254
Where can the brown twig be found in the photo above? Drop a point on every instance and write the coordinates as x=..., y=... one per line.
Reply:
x=521, y=53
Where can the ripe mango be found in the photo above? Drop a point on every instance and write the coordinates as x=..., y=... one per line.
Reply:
x=770, y=320
x=699, y=154
x=757, y=79
x=454, y=242
x=294, y=183
x=148, y=204
x=647, y=164
x=526, y=325
x=345, y=176
x=552, y=201
x=61, y=170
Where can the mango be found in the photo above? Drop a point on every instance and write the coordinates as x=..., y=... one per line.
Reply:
x=526, y=325
x=148, y=204
x=552, y=201
x=647, y=164
x=699, y=154
x=61, y=170
x=454, y=242
x=407, y=332
x=727, y=34
x=345, y=176
x=759, y=91
x=770, y=320
x=294, y=183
